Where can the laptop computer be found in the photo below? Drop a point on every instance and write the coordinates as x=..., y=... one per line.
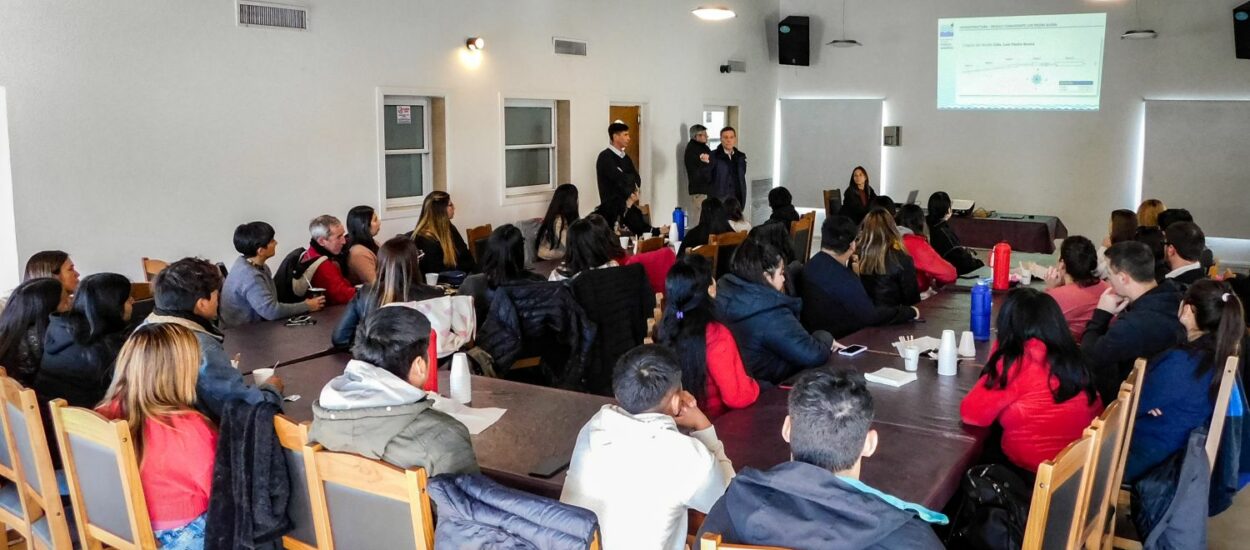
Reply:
x=911, y=197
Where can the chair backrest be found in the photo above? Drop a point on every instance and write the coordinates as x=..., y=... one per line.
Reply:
x=1108, y=433
x=726, y=245
x=1058, y=498
x=294, y=440
x=801, y=234
x=1228, y=378
x=833, y=202
x=141, y=291
x=707, y=251
x=42, y=520
x=151, y=267
x=618, y=301
x=477, y=240
x=360, y=503
x=102, y=471
x=712, y=541
x=650, y=245
x=646, y=212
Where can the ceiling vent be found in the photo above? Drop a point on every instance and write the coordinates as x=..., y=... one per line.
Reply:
x=265, y=14
x=567, y=46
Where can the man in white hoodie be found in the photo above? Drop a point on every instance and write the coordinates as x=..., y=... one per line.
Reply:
x=635, y=468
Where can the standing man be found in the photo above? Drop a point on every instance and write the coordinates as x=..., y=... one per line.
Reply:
x=728, y=174
x=698, y=169
x=616, y=174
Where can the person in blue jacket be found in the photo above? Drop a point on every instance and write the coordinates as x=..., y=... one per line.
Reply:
x=834, y=299
x=763, y=320
x=1178, y=392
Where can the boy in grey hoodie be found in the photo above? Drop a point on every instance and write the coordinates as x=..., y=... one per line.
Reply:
x=377, y=409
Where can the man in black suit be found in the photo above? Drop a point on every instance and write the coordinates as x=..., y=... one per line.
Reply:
x=616, y=174
x=1182, y=250
x=698, y=169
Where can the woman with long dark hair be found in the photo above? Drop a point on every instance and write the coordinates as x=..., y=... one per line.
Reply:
x=608, y=238
x=931, y=270
x=55, y=264
x=440, y=242
x=1036, y=384
x=885, y=267
x=1122, y=227
x=82, y=344
x=399, y=280
x=362, y=249
x=1074, y=282
x=24, y=322
x=733, y=210
x=586, y=250
x=561, y=213
x=503, y=262
x=943, y=238
x=1178, y=392
x=857, y=199
x=711, y=367
x=782, y=204
x=713, y=220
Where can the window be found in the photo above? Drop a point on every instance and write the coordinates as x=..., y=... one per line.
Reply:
x=715, y=118
x=530, y=138
x=406, y=151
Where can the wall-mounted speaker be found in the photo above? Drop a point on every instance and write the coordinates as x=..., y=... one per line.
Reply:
x=1241, y=30
x=793, y=41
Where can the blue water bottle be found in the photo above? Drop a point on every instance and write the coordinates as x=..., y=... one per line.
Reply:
x=679, y=220
x=982, y=309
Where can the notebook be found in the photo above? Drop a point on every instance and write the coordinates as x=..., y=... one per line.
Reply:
x=891, y=377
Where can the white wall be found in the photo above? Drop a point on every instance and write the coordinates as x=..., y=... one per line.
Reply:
x=152, y=128
x=8, y=237
x=1078, y=166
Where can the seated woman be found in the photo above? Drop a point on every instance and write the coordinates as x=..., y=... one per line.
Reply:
x=885, y=268
x=943, y=238
x=1074, y=283
x=631, y=218
x=1148, y=212
x=503, y=262
x=931, y=270
x=733, y=209
x=586, y=250
x=399, y=280
x=764, y=321
x=23, y=324
x=561, y=213
x=154, y=391
x=81, y=344
x=249, y=294
x=608, y=239
x=1178, y=392
x=55, y=264
x=362, y=249
x=1036, y=384
x=442, y=247
x=711, y=368
x=1121, y=228
x=782, y=204
x=857, y=199
x=777, y=235
x=712, y=221
x=1152, y=237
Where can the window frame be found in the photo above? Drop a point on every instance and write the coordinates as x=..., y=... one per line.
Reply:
x=389, y=98
x=713, y=139
x=551, y=147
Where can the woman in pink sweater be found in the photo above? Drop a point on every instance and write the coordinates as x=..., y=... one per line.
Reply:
x=154, y=391
x=1074, y=283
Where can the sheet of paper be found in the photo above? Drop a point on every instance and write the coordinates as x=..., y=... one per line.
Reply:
x=475, y=419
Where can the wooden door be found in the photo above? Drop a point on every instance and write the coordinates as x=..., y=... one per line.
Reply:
x=631, y=115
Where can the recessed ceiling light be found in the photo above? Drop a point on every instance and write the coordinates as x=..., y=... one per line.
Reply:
x=713, y=14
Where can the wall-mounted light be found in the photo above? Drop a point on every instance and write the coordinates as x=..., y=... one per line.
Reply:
x=713, y=14
x=475, y=44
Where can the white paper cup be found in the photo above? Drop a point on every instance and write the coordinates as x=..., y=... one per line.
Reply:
x=431, y=279
x=260, y=376
x=624, y=242
x=911, y=358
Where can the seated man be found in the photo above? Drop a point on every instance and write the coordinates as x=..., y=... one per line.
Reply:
x=1182, y=250
x=377, y=409
x=816, y=500
x=1145, y=312
x=633, y=466
x=187, y=293
x=834, y=300
x=328, y=238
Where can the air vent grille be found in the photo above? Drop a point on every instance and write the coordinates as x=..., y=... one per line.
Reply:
x=565, y=46
x=254, y=14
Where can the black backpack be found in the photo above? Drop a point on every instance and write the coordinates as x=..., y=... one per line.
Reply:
x=994, y=510
x=293, y=277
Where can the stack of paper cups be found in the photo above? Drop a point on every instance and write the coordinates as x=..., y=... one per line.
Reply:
x=461, y=379
x=948, y=359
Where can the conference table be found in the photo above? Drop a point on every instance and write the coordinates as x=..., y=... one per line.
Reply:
x=274, y=344
x=1024, y=232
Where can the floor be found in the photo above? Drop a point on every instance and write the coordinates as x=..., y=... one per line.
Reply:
x=1224, y=530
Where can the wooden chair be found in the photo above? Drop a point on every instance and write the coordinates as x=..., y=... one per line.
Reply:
x=1132, y=389
x=650, y=245
x=1108, y=433
x=833, y=202
x=801, y=233
x=726, y=245
x=294, y=439
x=29, y=501
x=477, y=239
x=151, y=267
x=103, y=476
x=141, y=291
x=707, y=251
x=712, y=541
x=1059, y=497
x=363, y=504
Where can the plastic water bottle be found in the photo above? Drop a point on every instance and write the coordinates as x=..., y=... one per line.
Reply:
x=679, y=221
x=982, y=309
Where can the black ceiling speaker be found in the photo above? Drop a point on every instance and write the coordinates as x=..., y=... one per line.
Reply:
x=1241, y=30
x=793, y=43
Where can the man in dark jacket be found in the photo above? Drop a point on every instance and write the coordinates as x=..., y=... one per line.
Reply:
x=698, y=160
x=728, y=174
x=816, y=501
x=1182, y=250
x=833, y=298
x=615, y=172
x=1147, y=320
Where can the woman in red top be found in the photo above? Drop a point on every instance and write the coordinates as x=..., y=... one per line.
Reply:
x=711, y=367
x=1036, y=384
x=1074, y=283
x=154, y=390
x=931, y=270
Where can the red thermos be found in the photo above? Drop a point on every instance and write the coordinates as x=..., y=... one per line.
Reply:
x=431, y=357
x=1000, y=263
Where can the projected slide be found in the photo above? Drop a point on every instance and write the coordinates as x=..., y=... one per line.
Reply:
x=1035, y=62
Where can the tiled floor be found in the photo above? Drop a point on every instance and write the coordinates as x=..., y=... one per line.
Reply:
x=1224, y=530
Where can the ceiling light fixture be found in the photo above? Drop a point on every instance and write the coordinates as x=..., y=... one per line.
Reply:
x=844, y=42
x=713, y=14
x=475, y=44
x=1139, y=33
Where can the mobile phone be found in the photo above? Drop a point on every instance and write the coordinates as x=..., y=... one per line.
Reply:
x=852, y=350
x=549, y=467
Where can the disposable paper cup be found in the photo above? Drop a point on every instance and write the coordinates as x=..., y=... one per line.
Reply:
x=911, y=358
x=431, y=279
x=624, y=242
x=260, y=376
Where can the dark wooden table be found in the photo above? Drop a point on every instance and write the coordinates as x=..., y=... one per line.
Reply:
x=1024, y=232
x=263, y=345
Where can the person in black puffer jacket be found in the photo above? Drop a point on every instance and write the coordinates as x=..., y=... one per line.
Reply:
x=81, y=345
x=886, y=269
x=943, y=238
x=24, y=322
x=763, y=320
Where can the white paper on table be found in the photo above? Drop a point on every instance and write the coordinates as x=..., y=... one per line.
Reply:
x=891, y=377
x=475, y=419
x=924, y=343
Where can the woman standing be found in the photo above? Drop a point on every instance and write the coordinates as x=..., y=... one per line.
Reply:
x=362, y=252
x=943, y=238
x=885, y=268
x=442, y=247
x=561, y=213
x=857, y=199
x=82, y=344
x=24, y=323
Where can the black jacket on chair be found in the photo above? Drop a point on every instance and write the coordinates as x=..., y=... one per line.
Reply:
x=248, y=504
x=79, y=373
x=946, y=243
x=529, y=319
x=854, y=208
x=897, y=286
x=618, y=300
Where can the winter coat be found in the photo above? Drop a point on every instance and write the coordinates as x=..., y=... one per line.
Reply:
x=23, y=359
x=897, y=286
x=698, y=173
x=247, y=507
x=931, y=270
x=1146, y=327
x=1183, y=401
x=728, y=175
x=618, y=300
x=478, y=287
x=329, y=276
x=476, y=512
x=528, y=319
x=946, y=243
x=852, y=206
x=834, y=300
x=432, y=260
x=79, y=373
x=765, y=323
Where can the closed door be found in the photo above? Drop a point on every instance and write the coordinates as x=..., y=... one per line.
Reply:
x=631, y=115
